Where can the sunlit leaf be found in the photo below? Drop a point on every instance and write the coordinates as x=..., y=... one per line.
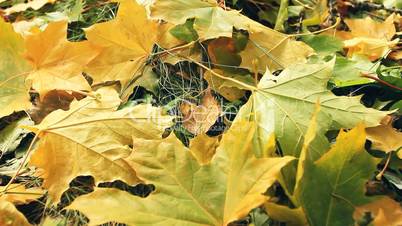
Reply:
x=203, y=148
x=385, y=138
x=92, y=137
x=187, y=193
x=126, y=43
x=370, y=38
x=57, y=63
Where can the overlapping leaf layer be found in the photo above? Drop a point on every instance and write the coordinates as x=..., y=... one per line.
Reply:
x=194, y=112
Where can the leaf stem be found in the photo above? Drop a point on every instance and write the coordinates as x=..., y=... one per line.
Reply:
x=379, y=175
x=23, y=193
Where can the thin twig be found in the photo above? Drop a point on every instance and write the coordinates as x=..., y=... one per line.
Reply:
x=381, y=81
x=167, y=51
x=21, y=165
x=319, y=31
x=373, y=6
x=22, y=193
x=304, y=5
x=252, y=88
x=89, y=94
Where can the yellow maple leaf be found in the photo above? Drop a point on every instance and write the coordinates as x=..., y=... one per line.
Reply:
x=203, y=148
x=13, y=70
x=10, y=216
x=126, y=41
x=272, y=49
x=57, y=63
x=385, y=138
x=370, y=38
x=92, y=138
x=188, y=193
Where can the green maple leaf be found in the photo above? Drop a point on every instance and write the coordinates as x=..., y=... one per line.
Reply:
x=329, y=188
x=281, y=106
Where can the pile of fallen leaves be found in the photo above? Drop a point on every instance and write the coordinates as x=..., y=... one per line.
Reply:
x=200, y=112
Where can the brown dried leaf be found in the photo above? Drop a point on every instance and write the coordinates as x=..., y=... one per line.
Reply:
x=53, y=100
x=198, y=119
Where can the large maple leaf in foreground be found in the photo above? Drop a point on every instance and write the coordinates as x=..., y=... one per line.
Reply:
x=188, y=193
x=93, y=138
